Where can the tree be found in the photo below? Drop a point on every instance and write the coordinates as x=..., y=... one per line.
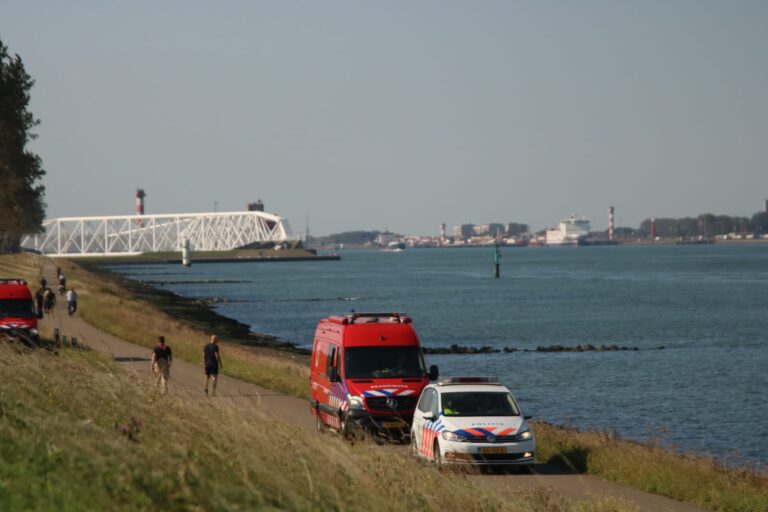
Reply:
x=687, y=227
x=22, y=208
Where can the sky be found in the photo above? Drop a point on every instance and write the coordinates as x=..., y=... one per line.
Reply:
x=399, y=115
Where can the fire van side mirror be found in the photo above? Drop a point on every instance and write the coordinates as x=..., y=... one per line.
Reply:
x=434, y=373
x=333, y=374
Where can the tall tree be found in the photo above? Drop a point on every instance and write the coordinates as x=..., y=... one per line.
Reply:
x=22, y=208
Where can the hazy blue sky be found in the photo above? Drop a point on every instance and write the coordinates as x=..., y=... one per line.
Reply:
x=368, y=115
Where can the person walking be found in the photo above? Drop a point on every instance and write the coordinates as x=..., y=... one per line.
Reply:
x=71, y=301
x=162, y=358
x=49, y=300
x=212, y=363
x=39, y=302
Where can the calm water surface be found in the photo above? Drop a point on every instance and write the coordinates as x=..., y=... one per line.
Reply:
x=706, y=391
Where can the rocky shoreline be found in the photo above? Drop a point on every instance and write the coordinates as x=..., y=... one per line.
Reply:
x=200, y=314
x=196, y=312
x=459, y=349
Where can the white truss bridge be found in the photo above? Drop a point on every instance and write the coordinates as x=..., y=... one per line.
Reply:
x=135, y=234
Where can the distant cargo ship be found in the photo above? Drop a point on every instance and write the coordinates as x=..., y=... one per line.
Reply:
x=394, y=247
x=570, y=231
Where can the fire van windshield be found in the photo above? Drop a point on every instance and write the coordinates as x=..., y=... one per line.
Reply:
x=17, y=308
x=383, y=362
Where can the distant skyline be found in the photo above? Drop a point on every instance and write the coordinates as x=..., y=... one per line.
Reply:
x=400, y=115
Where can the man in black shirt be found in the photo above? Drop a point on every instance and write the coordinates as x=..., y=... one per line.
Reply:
x=212, y=363
x=162, y=357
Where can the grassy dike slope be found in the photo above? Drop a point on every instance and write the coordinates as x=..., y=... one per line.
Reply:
x=78, y=433
x=105, y=304
x=695, y=480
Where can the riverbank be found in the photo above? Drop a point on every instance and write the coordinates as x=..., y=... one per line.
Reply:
x=80, y=432
x=200, y=314
x=537, y=245
x=698, y=480
x=138, y=314
x=197, y=313
x=270, y=255
x=80, y=426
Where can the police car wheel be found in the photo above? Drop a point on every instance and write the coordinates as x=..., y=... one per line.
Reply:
x=436, y=454
x=414, y=445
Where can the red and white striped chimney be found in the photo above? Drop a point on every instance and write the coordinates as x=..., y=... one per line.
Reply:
x=140, y=201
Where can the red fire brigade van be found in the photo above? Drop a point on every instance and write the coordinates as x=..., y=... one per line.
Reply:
x=367, y=371
x=17, y=310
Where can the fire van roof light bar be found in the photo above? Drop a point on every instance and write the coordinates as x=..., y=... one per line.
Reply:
x=351, y=318
x=446, y=381
x=12, y=280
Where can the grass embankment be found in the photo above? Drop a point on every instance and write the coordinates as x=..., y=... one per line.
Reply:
x=695, y=480
x=76, y=433
x=104, y=303
x=25, y=266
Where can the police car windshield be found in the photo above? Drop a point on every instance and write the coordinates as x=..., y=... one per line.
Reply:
x=17, y=308
x=383, y=362
x=478, y=403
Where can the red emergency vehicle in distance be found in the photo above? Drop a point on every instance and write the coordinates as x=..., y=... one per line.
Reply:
x=17, y=310
x=367, y=370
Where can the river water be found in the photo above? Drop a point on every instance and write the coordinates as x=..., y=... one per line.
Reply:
x=705, y=392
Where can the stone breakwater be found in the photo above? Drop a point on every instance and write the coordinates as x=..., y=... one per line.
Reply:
x=459, y=349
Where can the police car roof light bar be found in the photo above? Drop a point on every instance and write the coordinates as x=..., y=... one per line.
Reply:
x=468, y=380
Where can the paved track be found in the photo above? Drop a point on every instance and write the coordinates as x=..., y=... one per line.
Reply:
x=187, y=380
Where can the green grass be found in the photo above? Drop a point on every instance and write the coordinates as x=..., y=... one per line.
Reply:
x=25, y=266
x=76, y=433
x=700, y=481
x=105, y=304
x=697, y=480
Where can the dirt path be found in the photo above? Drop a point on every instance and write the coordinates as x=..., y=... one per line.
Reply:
x=187, y=381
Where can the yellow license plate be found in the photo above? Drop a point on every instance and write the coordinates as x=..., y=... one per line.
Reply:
x=493, y=450
x=394, y=424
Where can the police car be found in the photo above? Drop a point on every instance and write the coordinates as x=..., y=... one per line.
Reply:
x=471, y=420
